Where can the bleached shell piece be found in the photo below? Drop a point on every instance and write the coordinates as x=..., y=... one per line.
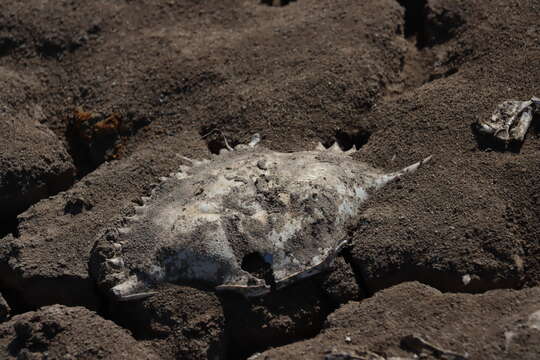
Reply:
x=293, y=209
x=510, y=121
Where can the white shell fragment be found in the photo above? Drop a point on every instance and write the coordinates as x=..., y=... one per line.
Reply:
x=510, y=121
x=423, y=348
x=201, y=226
x=534, y=320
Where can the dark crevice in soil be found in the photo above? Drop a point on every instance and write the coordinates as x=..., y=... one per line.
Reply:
x=424, y=29
x=63, y=290
x=427, y=27
x=50, y=49
x=257, y=265
x=7, y=45
x=348, y=139
x=347, y=256
x=216, y=145
x=277, y=2
x=9, y=225
x=535, y=125
x=14, y=300
x=55, y=49
x=81, y=158
x=76, y=205
x=282, y=317
x=445, y=281
x=415, y=11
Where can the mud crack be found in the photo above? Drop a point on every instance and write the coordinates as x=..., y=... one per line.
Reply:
x=428, y=54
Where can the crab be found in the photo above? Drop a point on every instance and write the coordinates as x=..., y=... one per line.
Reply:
x=291, y=211
x=510, y=121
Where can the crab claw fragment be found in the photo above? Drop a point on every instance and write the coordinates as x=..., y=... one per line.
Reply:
x=510, y=121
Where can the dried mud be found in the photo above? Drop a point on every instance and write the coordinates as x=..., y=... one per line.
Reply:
x=494, y=325
x=99, y=98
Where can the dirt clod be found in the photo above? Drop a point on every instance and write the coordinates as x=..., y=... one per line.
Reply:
x=341, y=285
x=34, y=163
x=178, y=323
x=59, y=332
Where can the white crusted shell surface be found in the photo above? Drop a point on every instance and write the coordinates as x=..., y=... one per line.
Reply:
x=198, y=225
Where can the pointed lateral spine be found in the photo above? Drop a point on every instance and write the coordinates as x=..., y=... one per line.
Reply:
x=335, y=148
x=385, y=179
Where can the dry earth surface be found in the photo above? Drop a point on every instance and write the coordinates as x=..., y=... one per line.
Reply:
x=98, y=98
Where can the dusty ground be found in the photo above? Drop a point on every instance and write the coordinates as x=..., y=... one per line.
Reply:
x=97, y=98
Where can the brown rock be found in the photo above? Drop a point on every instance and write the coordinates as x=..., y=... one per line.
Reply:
x=443, y=19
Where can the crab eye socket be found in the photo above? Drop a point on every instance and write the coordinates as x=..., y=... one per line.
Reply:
x=254, y=262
